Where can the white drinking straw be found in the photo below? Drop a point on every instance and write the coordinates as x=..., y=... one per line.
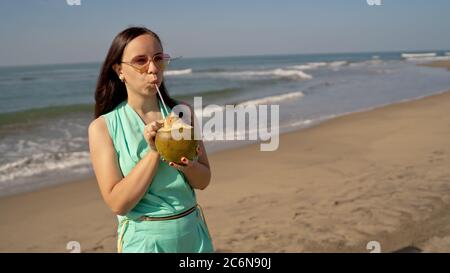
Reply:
x=162, y=100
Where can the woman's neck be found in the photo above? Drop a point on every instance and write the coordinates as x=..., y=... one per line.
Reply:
x=143, y=105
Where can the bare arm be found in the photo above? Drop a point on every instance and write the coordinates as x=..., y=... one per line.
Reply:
x=198, y=172
x=120, y=193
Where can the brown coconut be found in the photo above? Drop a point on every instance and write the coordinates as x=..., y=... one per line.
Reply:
x=175, y=140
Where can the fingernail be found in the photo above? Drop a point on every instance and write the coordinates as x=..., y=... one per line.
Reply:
x=171, y=164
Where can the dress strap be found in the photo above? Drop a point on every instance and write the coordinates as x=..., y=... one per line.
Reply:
x=124, y=224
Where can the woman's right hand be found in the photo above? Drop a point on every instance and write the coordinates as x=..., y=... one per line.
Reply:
x=150, y=131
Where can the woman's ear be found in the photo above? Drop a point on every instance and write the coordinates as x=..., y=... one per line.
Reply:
x=118, y=69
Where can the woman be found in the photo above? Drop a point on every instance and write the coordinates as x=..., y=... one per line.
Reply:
x=154, y=200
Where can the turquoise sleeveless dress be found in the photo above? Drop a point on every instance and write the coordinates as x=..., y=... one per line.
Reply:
x=168, y=194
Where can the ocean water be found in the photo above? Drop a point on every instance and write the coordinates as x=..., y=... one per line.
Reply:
x=45, y=109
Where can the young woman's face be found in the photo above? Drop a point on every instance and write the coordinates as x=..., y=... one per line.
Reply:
x=140, y=49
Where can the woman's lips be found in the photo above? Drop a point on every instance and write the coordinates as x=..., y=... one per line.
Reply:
x=153, y=82
x=152, y=79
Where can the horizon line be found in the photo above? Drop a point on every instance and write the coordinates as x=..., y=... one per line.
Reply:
x=251, y=55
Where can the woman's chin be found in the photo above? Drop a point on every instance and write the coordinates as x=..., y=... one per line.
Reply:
x=150, y=87
x=150, y=90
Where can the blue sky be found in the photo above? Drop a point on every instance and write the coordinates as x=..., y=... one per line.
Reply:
x=50, y=31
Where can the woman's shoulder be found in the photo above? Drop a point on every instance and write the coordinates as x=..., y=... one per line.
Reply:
x=99, y=132
x=110, y=119
x=98, y=126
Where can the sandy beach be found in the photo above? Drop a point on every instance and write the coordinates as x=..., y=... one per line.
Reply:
x=380, y=175
x=442, y=64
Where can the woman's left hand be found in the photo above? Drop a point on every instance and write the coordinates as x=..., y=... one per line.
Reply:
x=186, y=163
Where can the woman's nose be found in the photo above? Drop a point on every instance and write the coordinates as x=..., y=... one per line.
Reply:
x=152, y=68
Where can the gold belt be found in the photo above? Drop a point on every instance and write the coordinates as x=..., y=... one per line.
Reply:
x=171, y=217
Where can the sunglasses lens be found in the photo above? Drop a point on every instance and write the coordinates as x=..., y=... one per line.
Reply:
x=162, y=60
x=142, y=63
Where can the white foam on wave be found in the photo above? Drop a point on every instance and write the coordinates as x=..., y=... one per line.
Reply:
x=337, y=63
x=315, y=65
x=307, y=122
x=429, y=59
x=178, y=72
x=425, y=57
x=302, y=122
x=272, y=99
x=367, y=63
x=418, y=55
x=273, y=73
x=291, y=73
x=210, y=109
x=38, y=163
x=309, y=66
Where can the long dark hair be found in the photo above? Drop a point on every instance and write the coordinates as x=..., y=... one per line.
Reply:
x=110, y=90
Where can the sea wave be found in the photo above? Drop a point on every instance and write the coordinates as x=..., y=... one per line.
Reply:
x=429, y=59
x=309, y=66
x=178, y=72
x=365, y=63
x=294, y=73
x=38, y=163
x=418, y=55
x=213, y=69
x=337, y=63
x=30, y=115
x=315, y=65
x=273, y=99
x=210, y=93
x=210, y=109
x=426, y=57
x=272, y=73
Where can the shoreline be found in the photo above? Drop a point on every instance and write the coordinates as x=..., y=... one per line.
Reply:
x=377, y=175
